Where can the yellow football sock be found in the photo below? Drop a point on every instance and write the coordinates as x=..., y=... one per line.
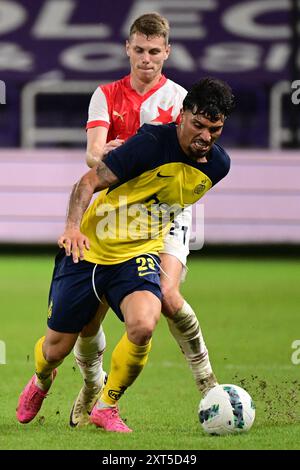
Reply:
x=127, y=361
x=43, y=368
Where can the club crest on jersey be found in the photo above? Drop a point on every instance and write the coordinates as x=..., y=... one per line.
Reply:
x=164, y=116
x=200, y=187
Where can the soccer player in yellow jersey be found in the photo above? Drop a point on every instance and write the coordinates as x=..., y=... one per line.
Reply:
x=116, y=112
x=112, y=247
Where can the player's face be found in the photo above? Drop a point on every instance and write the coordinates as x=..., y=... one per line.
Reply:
x=147, y=56
x=197, y=133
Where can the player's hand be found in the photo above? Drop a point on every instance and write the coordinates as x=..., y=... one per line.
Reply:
x=74, y=243
x=111, y=145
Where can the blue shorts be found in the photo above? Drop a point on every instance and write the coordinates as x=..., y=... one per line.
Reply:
x=77, y=287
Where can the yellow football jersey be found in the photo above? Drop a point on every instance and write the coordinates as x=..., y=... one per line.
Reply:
x=156, y=181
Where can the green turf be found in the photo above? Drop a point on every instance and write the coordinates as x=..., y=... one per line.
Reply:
x=249, y=312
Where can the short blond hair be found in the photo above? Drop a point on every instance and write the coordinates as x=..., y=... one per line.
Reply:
x=151, y=24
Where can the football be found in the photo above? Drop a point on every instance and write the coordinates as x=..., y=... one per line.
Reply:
x=226, y=409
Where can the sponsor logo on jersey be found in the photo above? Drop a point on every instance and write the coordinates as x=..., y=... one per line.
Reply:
x=164, y=176
x=121, y=116
x=50, y=309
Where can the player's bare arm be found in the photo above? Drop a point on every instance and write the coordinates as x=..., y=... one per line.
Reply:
x=97, y=147
x=98, y=178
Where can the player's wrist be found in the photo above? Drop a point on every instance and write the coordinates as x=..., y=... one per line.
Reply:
x=72, y=226
x=92, y=159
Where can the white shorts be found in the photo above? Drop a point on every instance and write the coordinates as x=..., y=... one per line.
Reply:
x=176, y=242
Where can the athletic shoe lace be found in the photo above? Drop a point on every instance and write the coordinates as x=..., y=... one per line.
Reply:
x=116, y=416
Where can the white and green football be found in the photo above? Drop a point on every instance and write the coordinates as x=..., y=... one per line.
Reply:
x=226, y=409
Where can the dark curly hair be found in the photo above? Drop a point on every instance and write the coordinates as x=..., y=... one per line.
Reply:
x=210, y=97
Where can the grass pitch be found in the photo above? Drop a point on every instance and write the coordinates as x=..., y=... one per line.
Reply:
x=249, y=313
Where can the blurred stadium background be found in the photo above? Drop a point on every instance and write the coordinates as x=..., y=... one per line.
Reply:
x=53, y=54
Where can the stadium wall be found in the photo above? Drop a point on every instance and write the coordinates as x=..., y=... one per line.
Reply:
x=258, y=202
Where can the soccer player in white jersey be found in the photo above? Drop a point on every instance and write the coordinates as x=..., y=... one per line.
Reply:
x=116, y=112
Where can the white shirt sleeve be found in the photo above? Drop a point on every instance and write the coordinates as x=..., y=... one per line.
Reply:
x=98, y=110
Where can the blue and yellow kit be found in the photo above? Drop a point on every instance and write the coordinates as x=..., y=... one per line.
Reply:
x=126, y=225
x=155, y=175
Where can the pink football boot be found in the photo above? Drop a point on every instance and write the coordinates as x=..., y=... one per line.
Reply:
x=108, y=419
x=31, y=400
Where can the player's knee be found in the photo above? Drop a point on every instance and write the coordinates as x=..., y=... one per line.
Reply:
x=54, y=354
x=141, y=332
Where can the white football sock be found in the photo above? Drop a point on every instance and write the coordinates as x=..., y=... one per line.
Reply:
x=185, y=328
x=88, y=353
